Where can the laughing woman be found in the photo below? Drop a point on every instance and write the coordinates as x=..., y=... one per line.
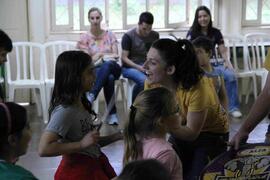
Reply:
x=201, y=130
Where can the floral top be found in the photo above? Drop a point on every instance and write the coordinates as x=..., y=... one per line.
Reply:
x=94, y=44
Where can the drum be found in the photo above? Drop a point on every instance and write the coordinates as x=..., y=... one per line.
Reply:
x=251, y=161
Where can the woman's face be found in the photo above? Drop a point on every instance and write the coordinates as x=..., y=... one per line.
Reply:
x=155, y=67
x=203, y=18
x=88, y=78
x=95, y=18
x=24, y=140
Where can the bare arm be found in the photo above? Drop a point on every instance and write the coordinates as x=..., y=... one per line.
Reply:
x=50, y=144
x=189, y=132
x=224, y=54
x=130, y=63
x=223, y=95
x=106, y=140
x=257, y=113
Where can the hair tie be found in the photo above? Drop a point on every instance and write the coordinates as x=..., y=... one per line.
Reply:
x=8, y=116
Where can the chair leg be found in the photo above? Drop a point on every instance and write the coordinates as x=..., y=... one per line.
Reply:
x=44, y=104
x=255, y=92
x=130, y=86
x=11, y=93
x=120, y=87
x=123, y=97
x=48, y=95
x=264, y=76
x=38, y=102
x=249, y=91
x=95, y=104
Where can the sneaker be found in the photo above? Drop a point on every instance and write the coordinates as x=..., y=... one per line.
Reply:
x=236, y=114
x=112, y=119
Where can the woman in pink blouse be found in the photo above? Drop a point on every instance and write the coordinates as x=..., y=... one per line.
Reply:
x=101, y=45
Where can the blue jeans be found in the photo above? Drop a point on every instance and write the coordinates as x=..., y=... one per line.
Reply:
x=106, y=74
x=137, y=76
x=231, y=87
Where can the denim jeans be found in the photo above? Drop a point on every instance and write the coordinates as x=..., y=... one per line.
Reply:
x=137, y=76
x=106, y=74
x=231, y=86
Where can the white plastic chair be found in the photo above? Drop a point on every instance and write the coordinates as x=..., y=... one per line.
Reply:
x=256, y=43
x=51, y=51
x=241, y=65
x=28, y=72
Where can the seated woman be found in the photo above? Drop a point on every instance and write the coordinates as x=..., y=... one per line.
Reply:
x=201, y=132
x=101, y=45
x=145, y=133
x=15, y=135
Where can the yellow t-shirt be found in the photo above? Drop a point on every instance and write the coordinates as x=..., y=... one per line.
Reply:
x=200, y=97
x=267, y=61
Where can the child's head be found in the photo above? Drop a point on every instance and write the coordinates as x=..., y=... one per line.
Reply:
x=203, y=48
x=149, y=110
x=74, y=75
x=5, y=46
x=144, y=170
x=15, y=133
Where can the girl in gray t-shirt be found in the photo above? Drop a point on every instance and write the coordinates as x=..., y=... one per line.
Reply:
x=71, y=131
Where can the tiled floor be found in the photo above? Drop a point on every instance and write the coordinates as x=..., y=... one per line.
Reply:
x=44, y=168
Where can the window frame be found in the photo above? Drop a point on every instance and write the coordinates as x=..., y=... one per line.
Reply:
x=54, y=26
x=256, y=22
x=125, y=26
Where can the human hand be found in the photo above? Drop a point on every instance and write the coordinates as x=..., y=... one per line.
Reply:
x=114, y=57
x=239, y=138
x=228, y=66
x=99, y=55
x=140, y=68
x=89, y=139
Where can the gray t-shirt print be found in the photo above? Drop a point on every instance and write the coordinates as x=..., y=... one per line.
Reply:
x=72, y=123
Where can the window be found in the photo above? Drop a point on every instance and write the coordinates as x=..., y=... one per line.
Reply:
x=71, y=15
x=256, y=12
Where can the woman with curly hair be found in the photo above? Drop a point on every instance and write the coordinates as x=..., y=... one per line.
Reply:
x=200, y=130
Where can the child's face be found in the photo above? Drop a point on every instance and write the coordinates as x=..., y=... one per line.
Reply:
x=203, y=56
x=88, y=78
x=155, y=67
x=3, y=56
x=24, y=140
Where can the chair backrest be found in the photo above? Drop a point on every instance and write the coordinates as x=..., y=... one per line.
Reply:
x=26, y=63
x=232, y=42
x=256, y=43
x=51, y=51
